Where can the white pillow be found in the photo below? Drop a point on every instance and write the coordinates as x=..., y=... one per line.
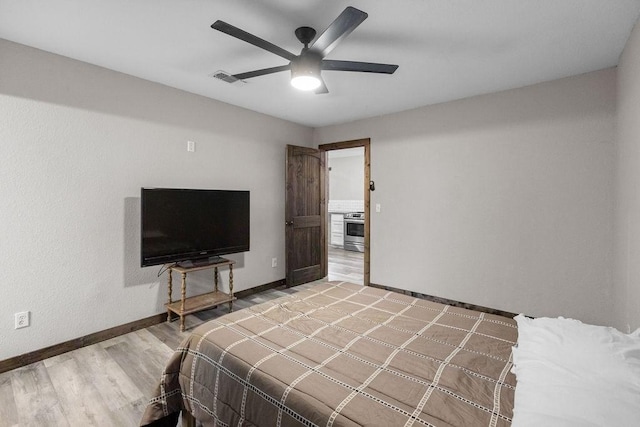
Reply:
x=573, y=374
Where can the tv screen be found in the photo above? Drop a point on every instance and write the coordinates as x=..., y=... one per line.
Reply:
x=184, y=224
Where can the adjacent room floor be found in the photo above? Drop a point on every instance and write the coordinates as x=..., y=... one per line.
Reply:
x=346, y=265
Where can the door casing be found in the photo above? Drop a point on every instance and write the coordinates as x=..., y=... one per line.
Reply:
x=366, y=143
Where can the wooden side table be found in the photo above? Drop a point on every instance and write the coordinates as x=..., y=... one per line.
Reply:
x=199, y=302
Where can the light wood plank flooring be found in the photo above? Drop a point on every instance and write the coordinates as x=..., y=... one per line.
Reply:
x=346, y=266
x=109, y=383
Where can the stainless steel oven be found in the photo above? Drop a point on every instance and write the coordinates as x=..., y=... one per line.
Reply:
x=354, y=231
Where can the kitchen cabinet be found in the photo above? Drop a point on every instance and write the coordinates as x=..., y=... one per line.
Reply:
x=337, y=229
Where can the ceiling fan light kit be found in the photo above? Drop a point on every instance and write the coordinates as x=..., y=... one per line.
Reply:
x=305, y=72
x=305, y=83
x=305, y=68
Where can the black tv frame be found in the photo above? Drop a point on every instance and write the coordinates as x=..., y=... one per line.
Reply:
x=195, y=255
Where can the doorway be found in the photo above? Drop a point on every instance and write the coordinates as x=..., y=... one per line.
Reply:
x=348, y=229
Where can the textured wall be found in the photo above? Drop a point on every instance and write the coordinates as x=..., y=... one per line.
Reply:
x=502, y=200
x=627, y=207
x=76, y=144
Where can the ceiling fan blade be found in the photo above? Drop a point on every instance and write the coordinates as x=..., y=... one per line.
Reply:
x=343, y=25
x=250, y=38
x=262, y=72
x=364, y=67
x=322, y=89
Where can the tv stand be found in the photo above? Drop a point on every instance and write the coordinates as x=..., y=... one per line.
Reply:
x=199, y=302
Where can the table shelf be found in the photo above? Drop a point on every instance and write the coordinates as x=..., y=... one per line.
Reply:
x=200, y=302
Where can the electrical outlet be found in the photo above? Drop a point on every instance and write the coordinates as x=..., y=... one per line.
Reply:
x=191, y=146
x=274, y=262
x=22, y=319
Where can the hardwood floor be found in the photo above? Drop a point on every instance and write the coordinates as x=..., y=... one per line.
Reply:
x=346, y=265
x=109, y=383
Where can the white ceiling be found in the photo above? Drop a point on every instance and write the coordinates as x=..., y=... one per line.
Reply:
x=445, y=49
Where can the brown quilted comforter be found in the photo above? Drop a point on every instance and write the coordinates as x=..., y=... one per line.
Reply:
x=344, y=355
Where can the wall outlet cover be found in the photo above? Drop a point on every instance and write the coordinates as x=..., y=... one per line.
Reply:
x=22, y=319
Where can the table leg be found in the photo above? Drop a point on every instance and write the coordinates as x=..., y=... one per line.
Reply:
x=170, y=289
x=184, y=296
x=231, y=287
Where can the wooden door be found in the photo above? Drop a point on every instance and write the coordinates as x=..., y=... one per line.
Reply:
x=305, y=217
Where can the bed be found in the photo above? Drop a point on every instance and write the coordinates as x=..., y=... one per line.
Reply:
x=340, y=354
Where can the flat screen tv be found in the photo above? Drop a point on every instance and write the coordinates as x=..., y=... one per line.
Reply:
x=192, y=225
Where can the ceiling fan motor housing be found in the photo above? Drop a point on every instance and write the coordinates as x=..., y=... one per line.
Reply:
x=306, y=64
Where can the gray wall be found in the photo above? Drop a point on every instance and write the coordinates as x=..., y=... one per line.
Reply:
x=346, y=178
x=627, y=207
x=502, y=200
x=76, y=144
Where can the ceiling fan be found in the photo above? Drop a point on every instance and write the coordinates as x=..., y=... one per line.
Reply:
x=305, y=67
